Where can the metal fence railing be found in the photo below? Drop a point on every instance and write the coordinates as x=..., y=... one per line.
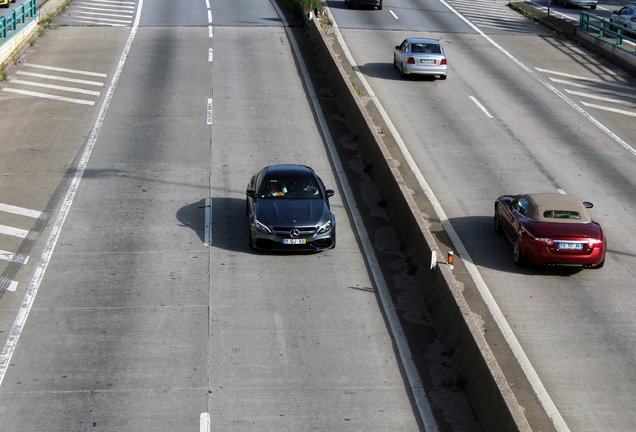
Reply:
x=601, y=28
x=16, y=17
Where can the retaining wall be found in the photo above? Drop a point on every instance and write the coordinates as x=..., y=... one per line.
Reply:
x=20, y=39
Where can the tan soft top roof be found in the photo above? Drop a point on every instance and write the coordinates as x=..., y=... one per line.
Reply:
x=556, y=204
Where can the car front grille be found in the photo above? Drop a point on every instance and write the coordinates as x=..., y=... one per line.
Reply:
x=285, y=232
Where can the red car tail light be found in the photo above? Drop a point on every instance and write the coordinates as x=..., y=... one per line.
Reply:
x=543, y=241
x=443, y=62
x=595, y=243
x=411, y=60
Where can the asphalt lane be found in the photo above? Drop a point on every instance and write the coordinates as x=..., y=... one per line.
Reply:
x=137, y=324
x=495, y=127
x=43, y=139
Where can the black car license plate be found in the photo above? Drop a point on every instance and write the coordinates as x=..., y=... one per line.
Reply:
x=294, y=241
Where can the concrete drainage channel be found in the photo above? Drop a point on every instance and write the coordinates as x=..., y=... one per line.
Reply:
x=490, y=395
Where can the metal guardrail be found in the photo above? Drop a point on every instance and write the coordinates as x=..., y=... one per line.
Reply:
x=17, y=16
x=609, y=32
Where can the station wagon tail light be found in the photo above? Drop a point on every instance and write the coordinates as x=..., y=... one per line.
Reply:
x=443, y=62
x=411, y=60
x=543, y=241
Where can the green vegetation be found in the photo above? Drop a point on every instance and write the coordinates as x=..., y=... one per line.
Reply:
x=297, y=7
x=358, y=90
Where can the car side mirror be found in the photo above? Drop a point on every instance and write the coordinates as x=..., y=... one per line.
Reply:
x=330, y=193
x=250, y=193
x=397, y=47
x=588, y=204
x=506, y=201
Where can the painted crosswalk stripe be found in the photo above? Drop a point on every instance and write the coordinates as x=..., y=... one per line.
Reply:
x=597, y=89
x=48, y=96
x=582, y=78
x=601, y=98
x=87, y=11
x=106, y=6
x=103, y=20
x=60, y=78
x=118, y=3
x=56, y=87
x=14, y=232
x=6, y=208
x=614, y=110
x=104, y=9
x=8, y=256
x=60, y=69
x=97, y=22
x=8, y=285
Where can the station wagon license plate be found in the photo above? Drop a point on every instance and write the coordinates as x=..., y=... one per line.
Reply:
x=294, y=241
x=570, y=246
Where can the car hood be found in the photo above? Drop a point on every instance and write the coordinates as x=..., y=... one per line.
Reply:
x=292, y=212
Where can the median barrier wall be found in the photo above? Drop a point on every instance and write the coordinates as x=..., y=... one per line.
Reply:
x=493, y=402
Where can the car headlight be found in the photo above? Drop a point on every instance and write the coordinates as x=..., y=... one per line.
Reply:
x=262, y=227
x=324, y=227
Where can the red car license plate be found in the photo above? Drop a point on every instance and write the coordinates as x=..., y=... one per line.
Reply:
x=570, y=246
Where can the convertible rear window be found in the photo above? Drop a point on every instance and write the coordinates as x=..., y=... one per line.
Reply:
x=561, y=214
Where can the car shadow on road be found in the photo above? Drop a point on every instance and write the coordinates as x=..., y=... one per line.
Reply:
x=494, y=251
x=229, y=227
x=389, y=72
x=192, y=216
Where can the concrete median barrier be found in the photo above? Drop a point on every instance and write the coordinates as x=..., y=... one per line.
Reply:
x=494, y=404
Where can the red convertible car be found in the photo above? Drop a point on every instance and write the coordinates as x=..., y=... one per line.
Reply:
x=551, y=229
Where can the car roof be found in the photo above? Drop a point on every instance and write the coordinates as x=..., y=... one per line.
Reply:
x=539, y=204
x=288, y=170
x=422, y=40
